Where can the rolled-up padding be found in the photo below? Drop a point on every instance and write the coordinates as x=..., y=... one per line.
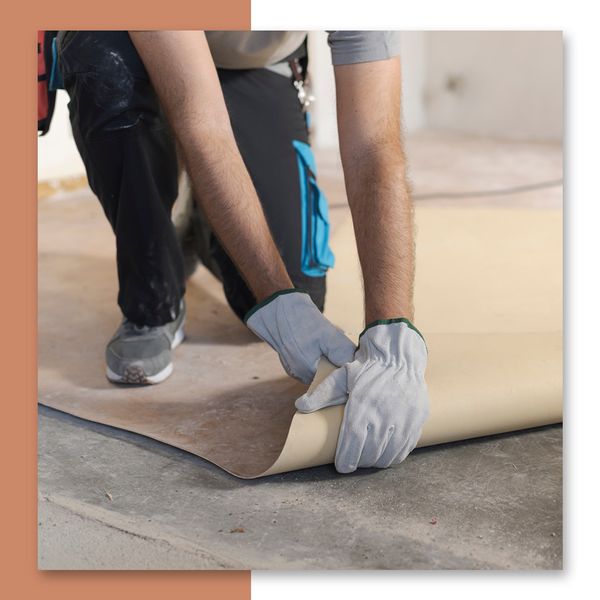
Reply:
x=488, y=300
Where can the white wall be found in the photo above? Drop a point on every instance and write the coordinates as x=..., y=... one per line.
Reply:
x=505, y=84
x=502, y=84
x=321, y=74
x=413, y=48
x=499, y=83
x=324, y=128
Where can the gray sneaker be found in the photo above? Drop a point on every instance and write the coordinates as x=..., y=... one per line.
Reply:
x=142, y=355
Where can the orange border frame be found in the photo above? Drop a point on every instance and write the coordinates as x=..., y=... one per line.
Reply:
x=18, y=256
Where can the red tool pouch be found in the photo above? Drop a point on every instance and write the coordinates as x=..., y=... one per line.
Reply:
x=46, y=97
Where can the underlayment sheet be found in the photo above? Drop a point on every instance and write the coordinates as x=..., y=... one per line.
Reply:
x=489, y=303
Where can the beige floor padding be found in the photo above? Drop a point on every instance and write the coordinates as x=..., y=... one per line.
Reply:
x=489, y=302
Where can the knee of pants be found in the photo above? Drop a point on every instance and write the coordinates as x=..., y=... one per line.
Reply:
x=124, y=141
x=315, y=286
x=241, y=300
x=107, y=83
x=239, y=296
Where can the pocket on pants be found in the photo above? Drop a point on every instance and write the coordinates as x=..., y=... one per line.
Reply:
x=316, y=255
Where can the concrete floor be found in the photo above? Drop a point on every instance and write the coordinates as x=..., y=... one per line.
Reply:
x=110, y=499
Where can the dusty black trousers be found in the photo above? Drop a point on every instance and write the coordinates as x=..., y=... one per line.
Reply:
x=130, y=157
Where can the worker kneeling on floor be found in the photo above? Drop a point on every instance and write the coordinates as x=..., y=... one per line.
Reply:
x=232, y=107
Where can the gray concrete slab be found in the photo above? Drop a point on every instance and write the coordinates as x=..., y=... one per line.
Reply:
x=115, y=500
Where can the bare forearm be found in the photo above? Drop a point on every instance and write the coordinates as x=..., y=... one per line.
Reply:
x=382, y=213
x=181, y=70
x=368, y=106
x=228, y=199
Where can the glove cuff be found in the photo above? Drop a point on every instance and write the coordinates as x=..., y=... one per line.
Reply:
x=270, y=299
x=389, y=322
x=393, y=342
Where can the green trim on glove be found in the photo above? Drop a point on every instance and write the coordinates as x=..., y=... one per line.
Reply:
x=389, y=322
x=270, y=299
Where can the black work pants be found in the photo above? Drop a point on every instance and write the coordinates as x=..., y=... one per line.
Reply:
x=130, y=158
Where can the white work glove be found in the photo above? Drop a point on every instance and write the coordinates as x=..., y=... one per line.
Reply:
x=385, y=394
x=295, y=328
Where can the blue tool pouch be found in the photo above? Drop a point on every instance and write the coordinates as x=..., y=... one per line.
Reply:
x=56, y=81
x=316, y=254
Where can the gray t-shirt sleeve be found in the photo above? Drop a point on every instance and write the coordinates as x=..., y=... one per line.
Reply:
x=348, y=47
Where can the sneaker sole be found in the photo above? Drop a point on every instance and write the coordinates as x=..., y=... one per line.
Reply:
x=135, y=374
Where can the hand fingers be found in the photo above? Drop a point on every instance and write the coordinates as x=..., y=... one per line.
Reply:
x=407, y=449
x=330, y=392
x=377, y=441
x=338, y=348
x=404, y=439
x=350, y=445
x=302, y=374
x=396, y=453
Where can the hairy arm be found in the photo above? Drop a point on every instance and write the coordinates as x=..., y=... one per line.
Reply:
x=185, y=79
x=369, y=125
